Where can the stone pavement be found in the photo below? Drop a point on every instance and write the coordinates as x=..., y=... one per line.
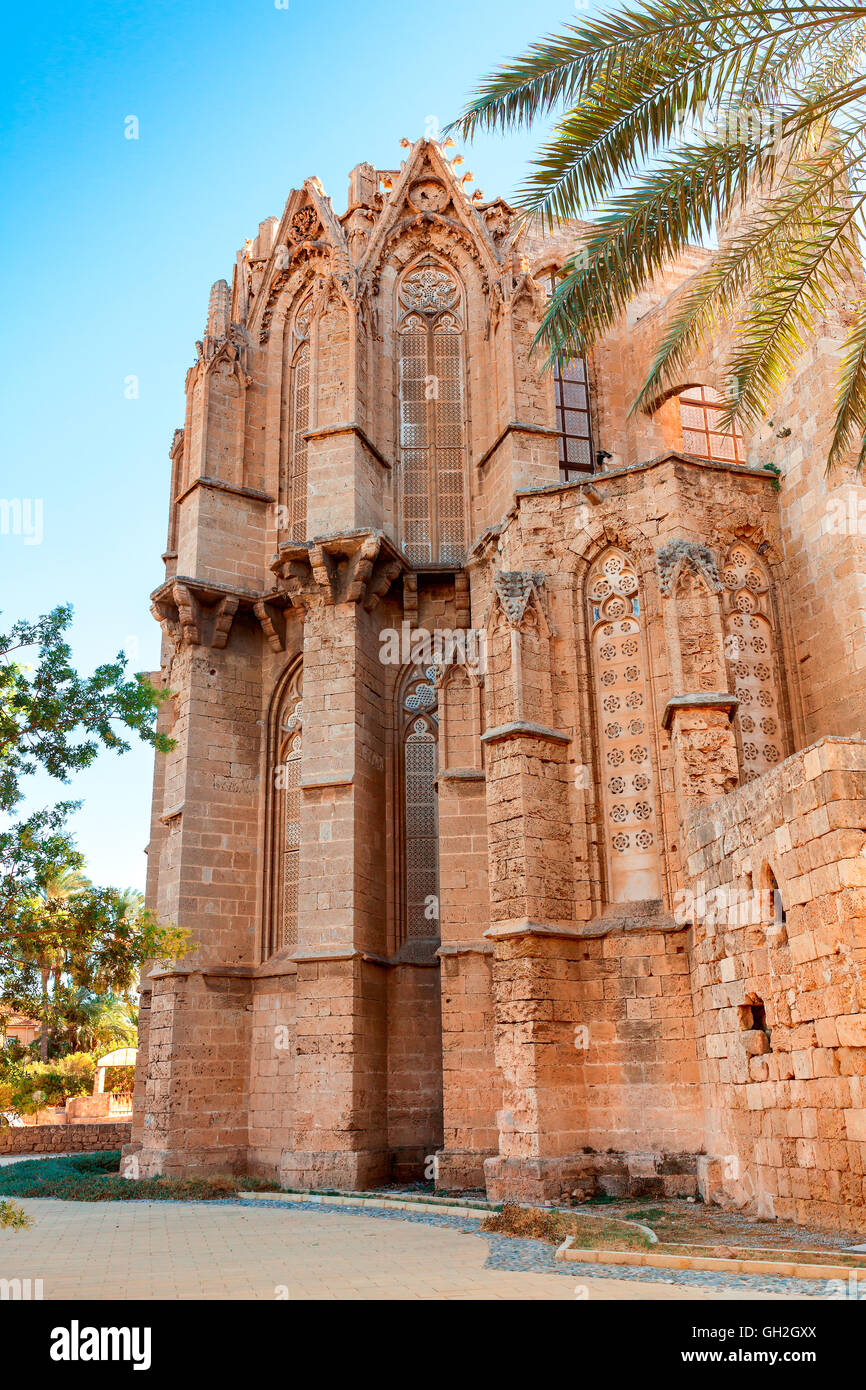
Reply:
x=206, y=1250
x=5, y=1159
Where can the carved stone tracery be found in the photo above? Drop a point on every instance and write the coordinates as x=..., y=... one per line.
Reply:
x=751, y=651
x=625, y=729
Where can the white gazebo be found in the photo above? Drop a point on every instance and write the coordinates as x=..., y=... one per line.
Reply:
x=120, y=1057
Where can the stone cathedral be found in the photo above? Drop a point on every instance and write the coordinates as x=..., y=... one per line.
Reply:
x=517, y=807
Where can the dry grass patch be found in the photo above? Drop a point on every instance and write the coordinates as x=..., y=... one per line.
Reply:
x=589, y=1232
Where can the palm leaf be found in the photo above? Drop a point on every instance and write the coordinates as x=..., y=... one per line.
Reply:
x=741, y=265
x=850, y=425
x=565, y=67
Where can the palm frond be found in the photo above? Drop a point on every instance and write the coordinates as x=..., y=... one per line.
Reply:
x=850, y=425
x=563, y=68
x=741, y=265
x=787, y=309
x=647, y=228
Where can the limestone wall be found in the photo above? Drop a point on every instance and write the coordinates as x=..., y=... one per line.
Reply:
x=780, y=1005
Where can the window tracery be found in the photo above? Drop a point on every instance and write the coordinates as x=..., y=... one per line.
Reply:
x=432, y=402
x=628, y=791
x=297, y=490
x=287, y=816
x=750, y=650
x=420, y=766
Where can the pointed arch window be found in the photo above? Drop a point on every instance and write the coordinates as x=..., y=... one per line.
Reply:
x=286, y=837
x=571, y=398
x=625, y=729
x=297, y=489
x=751, y=651
x=420, y=819
x=432, y=403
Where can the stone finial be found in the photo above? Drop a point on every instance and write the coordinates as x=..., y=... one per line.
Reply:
x=363, y=184
x=219, y=310
x=690, y=556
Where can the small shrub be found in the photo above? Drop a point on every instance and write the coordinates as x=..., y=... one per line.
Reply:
x=14, y=1217
x=96, y=1178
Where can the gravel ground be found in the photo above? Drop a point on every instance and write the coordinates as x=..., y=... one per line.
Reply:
x=536, y=1256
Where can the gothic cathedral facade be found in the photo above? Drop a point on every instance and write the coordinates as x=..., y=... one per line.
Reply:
x=517, y=806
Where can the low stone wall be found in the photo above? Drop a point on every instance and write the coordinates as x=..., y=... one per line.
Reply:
x=79, y=1138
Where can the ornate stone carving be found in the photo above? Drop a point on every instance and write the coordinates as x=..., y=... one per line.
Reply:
x=429, y=195
x=196, y=614
x=428, y=290
x=750, y=650
x=687, y=556
x=625, y=730
x=358, y=568
x=516, y=592
x=303, y=224
x=286, y=832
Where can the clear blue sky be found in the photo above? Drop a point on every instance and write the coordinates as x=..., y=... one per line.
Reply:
x=110, y=246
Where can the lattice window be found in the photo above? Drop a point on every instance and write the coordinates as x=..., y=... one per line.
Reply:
x=625, y=729
x=571, y=394
x=432, y=418
x=287, y=818
x=420, y=761
x=300, y=424
x=750, y=650
x=703, y=436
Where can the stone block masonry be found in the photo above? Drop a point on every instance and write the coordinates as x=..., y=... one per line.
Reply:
x=64, y=1139
x=584, y=915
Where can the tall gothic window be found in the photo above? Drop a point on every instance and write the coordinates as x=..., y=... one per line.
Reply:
x=750, y=649
x=420, y=742
x=625, y=729
x=432, y=417
x=297, y=492
x=703, y=435
x=571, y=395
x=285, y=876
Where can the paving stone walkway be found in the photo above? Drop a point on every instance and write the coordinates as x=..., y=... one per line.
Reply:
x=234, y=1250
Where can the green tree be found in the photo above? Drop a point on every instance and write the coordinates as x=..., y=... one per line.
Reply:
x=671, y=115
x=59, y=933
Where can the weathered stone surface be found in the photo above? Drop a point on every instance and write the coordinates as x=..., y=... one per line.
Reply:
x=499, y=909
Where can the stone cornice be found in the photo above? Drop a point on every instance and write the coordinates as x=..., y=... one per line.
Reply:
x=326, y=781
x=515, y=427
x=461, y=774
x=524, y=926
x=522, y=728
x=350, y=427
x=199, y=612
x=704, y=699
x=465, y=948
x=217, y=485
x=673, y=456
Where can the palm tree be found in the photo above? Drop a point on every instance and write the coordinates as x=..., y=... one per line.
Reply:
x=100, y=1021
x=56, y=891
x=675, y=114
